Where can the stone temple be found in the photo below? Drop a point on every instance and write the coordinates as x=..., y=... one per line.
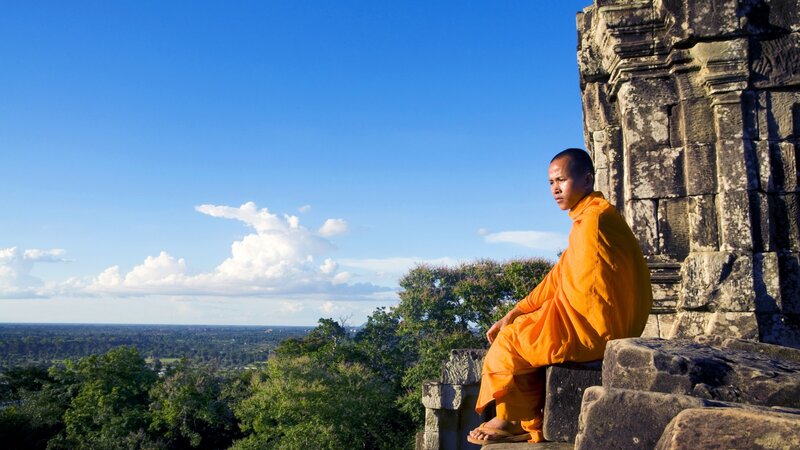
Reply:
x=692, y=115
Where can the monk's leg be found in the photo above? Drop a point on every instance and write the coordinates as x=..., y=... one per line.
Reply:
x=525, y=403
x=514, y=385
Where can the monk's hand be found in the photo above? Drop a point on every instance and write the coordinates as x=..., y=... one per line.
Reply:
x=494, y=330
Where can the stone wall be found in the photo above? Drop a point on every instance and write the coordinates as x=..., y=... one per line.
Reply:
x=692, y=116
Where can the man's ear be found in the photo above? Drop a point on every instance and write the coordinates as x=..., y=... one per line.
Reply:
x=590, y=181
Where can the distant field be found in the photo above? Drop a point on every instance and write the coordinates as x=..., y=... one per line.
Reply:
x=223, y=346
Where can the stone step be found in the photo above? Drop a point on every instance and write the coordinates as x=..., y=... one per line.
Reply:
x=565, y=384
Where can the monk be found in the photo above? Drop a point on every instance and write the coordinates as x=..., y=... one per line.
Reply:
x=598, y=290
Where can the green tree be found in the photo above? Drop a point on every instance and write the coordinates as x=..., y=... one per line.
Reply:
x=300, y=403
x=34, y=406
x=109, y=408
x=189, y=408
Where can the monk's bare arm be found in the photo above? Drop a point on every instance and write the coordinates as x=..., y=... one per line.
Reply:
x=507, y=319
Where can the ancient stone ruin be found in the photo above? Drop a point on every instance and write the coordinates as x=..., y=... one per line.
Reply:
x=692, y=115
x=691, y=112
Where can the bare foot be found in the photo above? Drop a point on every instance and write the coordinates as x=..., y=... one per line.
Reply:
x=483, y=431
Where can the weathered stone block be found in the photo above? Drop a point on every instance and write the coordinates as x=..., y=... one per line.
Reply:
x=766, y=280
x=775, y=63
x=684, y=367
x=702, y=219
x=641, y=216
x=688, y=324
x=656, y=173
x=737, y=168
x=695, y=123
x=598, y=111
x=777, y=114
x=768, y=350
x=651, y=327
x=717, y=281
x=762, y=223
x=712, y=18
x=565, y=384
x=701, y=169
x=789, y=273
x=730, y=428
x=724, y=80
x=644, y=111
x=733, y=213
x=463, y=367
x=788, y=221
x=673, y=228
x=627, y=419
x=783, y=329
x=777, y=166
x=665, y=324
x=436, y=395
x=441, y=430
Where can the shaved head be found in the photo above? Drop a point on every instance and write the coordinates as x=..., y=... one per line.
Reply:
x=579, y=161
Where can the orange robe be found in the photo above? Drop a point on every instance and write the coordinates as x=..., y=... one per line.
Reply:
x=598, y=290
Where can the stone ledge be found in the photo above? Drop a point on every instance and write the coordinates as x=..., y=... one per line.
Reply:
x=564, y=387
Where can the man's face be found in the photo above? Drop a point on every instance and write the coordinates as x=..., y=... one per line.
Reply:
x=566, y=187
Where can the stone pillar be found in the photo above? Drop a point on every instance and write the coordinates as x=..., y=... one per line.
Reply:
x=692, y=115
x=450, y=403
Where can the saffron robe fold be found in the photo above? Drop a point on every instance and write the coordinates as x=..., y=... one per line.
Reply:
x=598, y=290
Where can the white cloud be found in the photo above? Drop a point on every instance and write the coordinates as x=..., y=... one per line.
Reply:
x=304, y=209
x=541, y=240
x=291, y=307
x=327, y=307
x=16, y=280
x=329, y=266
x=279, y=261
x=280, y=257
x=332, y=227
x=38, y=255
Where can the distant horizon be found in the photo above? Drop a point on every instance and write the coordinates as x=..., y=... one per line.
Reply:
x=273, y=162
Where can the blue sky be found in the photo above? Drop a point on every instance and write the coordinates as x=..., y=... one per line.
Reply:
x=272, y=162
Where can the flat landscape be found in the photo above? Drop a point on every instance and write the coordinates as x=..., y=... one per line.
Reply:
x=222, y=346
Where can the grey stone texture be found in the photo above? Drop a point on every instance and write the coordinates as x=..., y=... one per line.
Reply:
x=565, y=385
x=692, y=114
x=632, y=419
x=731, y=428
x=688, y=368
x=628, y=419
x=450, y=403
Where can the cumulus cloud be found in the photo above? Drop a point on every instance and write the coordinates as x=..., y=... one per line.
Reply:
x=332, y=227
x=280, y=257
x=540, y=240
x=16, y=280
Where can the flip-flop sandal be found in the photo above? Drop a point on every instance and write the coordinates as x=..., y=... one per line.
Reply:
x=498, y=436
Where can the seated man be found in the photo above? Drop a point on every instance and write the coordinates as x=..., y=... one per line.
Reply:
x=597, y=291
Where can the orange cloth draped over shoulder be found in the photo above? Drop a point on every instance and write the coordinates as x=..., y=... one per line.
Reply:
x=598, y=290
